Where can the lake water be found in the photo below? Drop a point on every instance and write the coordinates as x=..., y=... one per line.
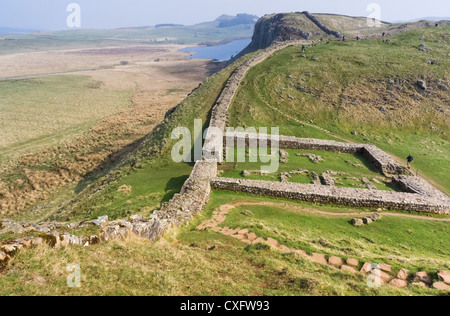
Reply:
x=218, y=53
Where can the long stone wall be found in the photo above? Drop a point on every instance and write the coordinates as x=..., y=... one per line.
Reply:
x=336, y=195
x=321, y=26
x=195, y=192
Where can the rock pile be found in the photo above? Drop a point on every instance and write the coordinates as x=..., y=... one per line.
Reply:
x=366, y=220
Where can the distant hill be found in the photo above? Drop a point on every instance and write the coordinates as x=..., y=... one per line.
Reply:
x=169, y=25
x=430, y=18
x=240, y=19
x=8, y=30
x=233, y=27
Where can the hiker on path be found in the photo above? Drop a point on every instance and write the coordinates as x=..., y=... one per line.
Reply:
x=409, y=160
x=343, y=38
x=357, y=37
x=303, y=48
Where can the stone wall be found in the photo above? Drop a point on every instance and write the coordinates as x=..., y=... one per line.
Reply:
x=195, y=192
x=192, y=199
x=336, y=195
x=382, y=161
x=321, y=26
x=418, y=186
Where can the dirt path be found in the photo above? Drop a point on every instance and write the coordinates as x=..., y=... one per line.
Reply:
x=314, y=211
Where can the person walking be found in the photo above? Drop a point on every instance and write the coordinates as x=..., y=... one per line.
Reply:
x=409, y=160
x=303, y=48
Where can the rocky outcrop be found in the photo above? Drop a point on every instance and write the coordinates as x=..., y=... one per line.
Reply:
x=269, y=30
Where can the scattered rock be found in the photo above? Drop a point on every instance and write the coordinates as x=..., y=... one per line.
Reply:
x=398, y=283
x=301, y=253
x=375, y=217
x=335, y=261
x=3, y=256
x=385, y=267
x=211, y=248
x=422, y=84
x=313, y=158
x=251, y=236
x=367, y=220
x=284, y=156
x=247, y=213
x=352, y=262
x=357, y=222
x=259, y=241
x=403, y=274
x=424, y=48
x=349, y=269
x=444, y=276
x=273, y=243
x=443, y=85
x=243, y=232
x=422, y=277
x=9, y=249
x=441, y=286
x=319, y=258
x=368, y=266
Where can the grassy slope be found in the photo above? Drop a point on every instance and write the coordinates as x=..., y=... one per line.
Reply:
x=46, y=110
x=180, y=264
x=150, y=172
x=344, y=90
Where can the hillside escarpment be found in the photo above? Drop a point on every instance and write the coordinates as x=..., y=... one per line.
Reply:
x=287, y=27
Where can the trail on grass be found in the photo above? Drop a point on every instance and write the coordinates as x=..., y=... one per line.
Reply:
x=314, y=211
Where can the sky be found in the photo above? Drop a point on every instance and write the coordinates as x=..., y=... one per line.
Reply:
x=47, y=15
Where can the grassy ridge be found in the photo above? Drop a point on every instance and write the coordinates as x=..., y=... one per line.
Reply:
x=367, y=87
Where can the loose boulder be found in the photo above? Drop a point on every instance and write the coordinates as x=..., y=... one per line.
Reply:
x=357, y=222
x=441, y=286
x=444, y=276
x=375, y=217
x=398, y=283
x=422, y=277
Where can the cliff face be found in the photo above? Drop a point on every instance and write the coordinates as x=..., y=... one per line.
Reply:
x=283, y=27
x=274, y=29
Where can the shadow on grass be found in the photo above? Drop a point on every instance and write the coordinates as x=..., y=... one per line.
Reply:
x=173, y=187
x=107, y=165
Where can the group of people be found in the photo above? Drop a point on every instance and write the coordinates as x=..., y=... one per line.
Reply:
x=344, y=37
